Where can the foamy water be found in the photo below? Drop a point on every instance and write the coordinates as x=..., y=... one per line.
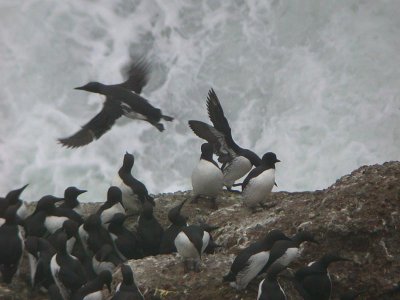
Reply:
x=318, y=84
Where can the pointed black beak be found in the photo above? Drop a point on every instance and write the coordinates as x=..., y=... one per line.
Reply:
x=81, y=191
x=277, y=160
x=80, y=88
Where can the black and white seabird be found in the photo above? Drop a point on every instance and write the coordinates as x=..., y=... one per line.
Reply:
x=112, y=206
x=127, y=289
x=283, y=252
x=121, y=99
x=259, y=182
x=66, y=269
x=40, y=252
x=93, y=289
x=178, y=222
x=269, y=288
x=149, y=230
x=105, y=259
x=314, y=279
x=190, y=244
x=71, y=201
x=134, y=192
x=70, y=228
x=93, y=235
x=12, y=245
x=207, y=178
x=250, y=261
x=127, y=243
x=237, y=161
x=12, y=199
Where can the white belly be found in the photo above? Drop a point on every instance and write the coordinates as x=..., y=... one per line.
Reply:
x=290, y=255
x=207, y=179
x=185, y=247
x=52, y=223
x=23, y=211
x=256, y=263
x=94, y=296
x=55, y=268
x=236, y=169
x=129, y=199
x=107, y=214
x=258, y=188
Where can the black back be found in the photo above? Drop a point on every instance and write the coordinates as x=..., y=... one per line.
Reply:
x=150, y=231
x=128, y=289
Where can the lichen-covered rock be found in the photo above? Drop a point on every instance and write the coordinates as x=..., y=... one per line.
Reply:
x=357, y=216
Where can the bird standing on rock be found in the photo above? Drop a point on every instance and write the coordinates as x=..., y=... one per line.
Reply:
x=121, y=99
x=250, y=261
x=134, y=192
x=207, y=178
x=237, y=161
x=314, y=279
x=269, y=288
x=260, y=181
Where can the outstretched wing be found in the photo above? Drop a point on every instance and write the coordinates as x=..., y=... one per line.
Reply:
x=96, y=127
x=214, y=137
x=217, y=117
x=138, y=75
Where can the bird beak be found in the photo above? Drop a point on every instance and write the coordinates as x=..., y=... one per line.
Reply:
x=277, y=160
x=80, y=88
x=82, y=191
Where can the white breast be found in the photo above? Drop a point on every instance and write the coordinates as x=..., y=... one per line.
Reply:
x=52, y=223
x=23, y=211
x=55, y=268
x=258, y=188
x=207, y=179
x=290, y=255
x=94, y=296
x=131, y=201
x=236, y=169
x=206, y=240
x=99, y=266
x=255, y=264
x=260, y=289
x=185, y=247
x=107, y=214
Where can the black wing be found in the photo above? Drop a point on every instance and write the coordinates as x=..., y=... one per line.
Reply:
x=214, y=137
x=217, y=117
x=96, y=127
x=253, y=173
x=138, y=75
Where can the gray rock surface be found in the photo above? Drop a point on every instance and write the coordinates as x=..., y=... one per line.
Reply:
x=358, y=217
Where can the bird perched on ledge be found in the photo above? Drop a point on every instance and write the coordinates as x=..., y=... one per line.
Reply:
x=121, y=99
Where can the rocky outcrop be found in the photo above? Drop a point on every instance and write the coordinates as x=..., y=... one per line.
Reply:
x=358, y=217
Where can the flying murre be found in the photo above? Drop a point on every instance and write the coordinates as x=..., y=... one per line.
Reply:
x=121, y=99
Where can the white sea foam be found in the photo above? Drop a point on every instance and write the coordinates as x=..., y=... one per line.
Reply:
x=317, y=84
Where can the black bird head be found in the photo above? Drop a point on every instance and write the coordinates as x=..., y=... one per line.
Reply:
x=105, y=277
x=73, y=192
x=269, y=159
x=274, y=271
x=127, y=274
x=304, y=236
x=275, y=235
x=147, y=210
x=207, y=150
x=94, y=87
x=128, y=162
x=61, y=242
x=174, y=215
x=329, y=258
x=114, y=195
x=47, y=203
x=70, y=227
x=92, y=222
x=13, y=196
